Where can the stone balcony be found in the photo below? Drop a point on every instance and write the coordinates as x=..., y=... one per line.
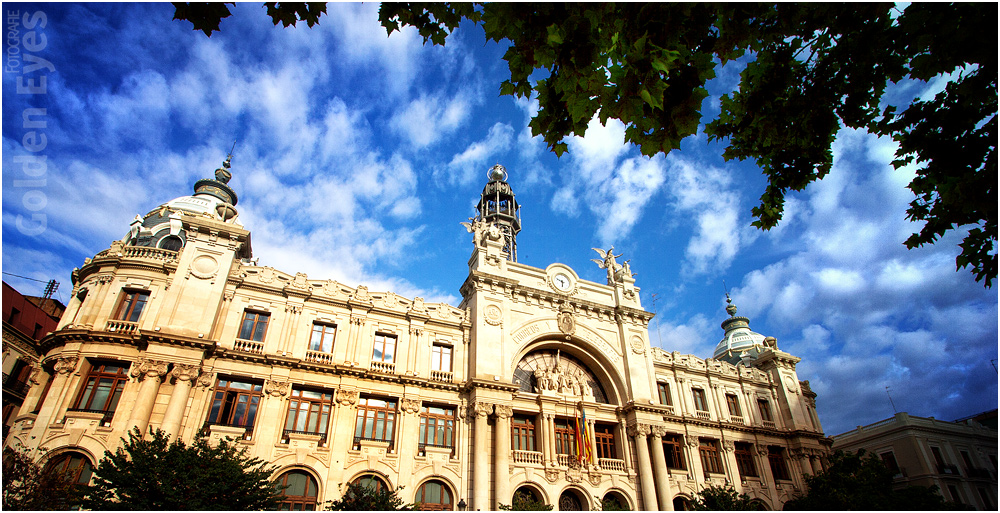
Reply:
x=386, y=367
x=123, y=327
x=248, y=346
x=319, y=357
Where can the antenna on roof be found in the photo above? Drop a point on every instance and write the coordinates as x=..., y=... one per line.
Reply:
x=231, y=149
x=50, y=287
x=890, y=399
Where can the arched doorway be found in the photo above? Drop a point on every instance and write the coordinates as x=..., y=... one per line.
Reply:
x=77, y=464
x=615, y=501
x=525, y=497
x=434, y=495
x=573, y=500
x=682, y=503
x=300, y=491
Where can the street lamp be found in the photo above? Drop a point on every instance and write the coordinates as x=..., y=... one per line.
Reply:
x=462, y=505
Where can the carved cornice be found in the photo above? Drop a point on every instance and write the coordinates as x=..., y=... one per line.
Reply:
x=66, y=364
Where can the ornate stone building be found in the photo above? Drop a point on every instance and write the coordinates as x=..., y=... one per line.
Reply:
x=538, y=383
x=959, y=457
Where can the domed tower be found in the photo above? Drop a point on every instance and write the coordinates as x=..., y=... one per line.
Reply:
x=163, y=227
x=498, y=206
x=739, y=344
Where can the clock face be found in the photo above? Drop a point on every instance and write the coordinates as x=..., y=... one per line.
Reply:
x=561, y=281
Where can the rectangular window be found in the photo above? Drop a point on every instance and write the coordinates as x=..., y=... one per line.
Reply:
x=604, y=436
x=889, y=459
x=308, y=411
x=104, y=385
x=385, y=348
x=672, y=451
x=708, y=449
x=437, y=426
x=254, y=326
x=955, y=497
x=765, y=410
x=664, y=390
x=441, y=357
x=734, y=405
x=776, y=457
x=131, y=305
x=235, y=403
x=522, y=433
x=565, y=437
x=744, y=459
x=322, y=337
x=376, y=420
x=700, y=403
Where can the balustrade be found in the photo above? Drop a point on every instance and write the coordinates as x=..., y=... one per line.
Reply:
x=532, y=457
x=445, y=376
x=248, y=346
x=612, y=464
x=736, y=419
x=566, y=460
x=125, y=327
x=145, y=252
x=319, y=357
x=769, y=424
x=387, y=367
x=704, y=415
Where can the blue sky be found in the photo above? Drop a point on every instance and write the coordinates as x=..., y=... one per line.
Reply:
x=358, y=155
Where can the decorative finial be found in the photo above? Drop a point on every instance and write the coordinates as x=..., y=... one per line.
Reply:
x=497, y=173
x=223, y=174
x=730, y=307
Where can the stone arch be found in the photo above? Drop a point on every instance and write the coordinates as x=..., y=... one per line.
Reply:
x=574, y=498
x=760, y=505
x=86, y=445
x=603, y=369
x=448, y=484
x=382, y=476
x=309, y=472
x=535, y=490
x=56, y=456
x=620, y=496
x=683, y=502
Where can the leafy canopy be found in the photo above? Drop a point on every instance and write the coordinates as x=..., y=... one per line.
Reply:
x=361, y=496
x=157, y=474
x=723, y=498
x=524, y=501
x=862, y=482
x=811, y=70
x=29, y=487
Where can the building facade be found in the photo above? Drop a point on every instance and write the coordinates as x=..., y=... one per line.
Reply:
x=26, y=319
x=539, y=383
x=960, y=457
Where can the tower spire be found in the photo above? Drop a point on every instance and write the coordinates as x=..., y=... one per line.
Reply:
x=497, y=206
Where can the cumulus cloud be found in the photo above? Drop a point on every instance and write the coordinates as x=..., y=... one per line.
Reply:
x=427, y=119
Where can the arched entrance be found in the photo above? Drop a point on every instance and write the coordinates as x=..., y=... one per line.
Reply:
x=525, y=497
x=573, y=500
x=558, y=371
x=615, y=501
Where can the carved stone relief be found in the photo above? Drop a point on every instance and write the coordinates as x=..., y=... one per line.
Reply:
x=347, y=397
x=276, y=388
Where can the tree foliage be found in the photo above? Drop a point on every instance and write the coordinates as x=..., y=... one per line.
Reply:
x=862, y=482
x=29, y=487
x=523, y=501
x=206, y=16
x=366, y=497
x=157, y=474
x=723, y=498
x=812, y=69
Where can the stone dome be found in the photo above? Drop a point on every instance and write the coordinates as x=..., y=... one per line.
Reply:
x=739, y=342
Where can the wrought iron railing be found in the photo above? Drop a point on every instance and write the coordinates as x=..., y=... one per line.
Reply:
x=285, y=433
x=14, y=385
x=359, y=439
x=948, y=469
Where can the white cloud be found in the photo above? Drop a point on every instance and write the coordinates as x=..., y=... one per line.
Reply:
x=474, y=160
x=425, y=120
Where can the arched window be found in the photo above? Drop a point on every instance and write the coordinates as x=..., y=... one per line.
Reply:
x=434, y=496
x=614, y=501
x=570, y=501
x=171, y=242
x=76, y=463
x=372, y=481
x=300, y=491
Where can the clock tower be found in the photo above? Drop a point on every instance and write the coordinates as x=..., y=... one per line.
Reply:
x=497, y=206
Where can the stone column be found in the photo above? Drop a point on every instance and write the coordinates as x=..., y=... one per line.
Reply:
x=184, y=376
x=817, y=466
x=640, y=432
x=481, y=466
x=593, y=442
x=660, y=469
x=804, y=463
x=542, y=439
x=550, y=427
x=501, y=455
x=150, y=372
x=61, y=381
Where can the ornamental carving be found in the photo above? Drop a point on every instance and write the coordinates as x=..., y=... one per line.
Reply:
x=493, y=314
x=389, y=300
x=692, y=442
x=183, y=372
x=638, y=430
x=66, y=364
x=551, y=475
x=347, y=397
x=729, y=446
x=276, y=388
x=409, y=405
x=266, y=275
x=566, y=322
x=658, y=431
x=36, y=371
x=481, y=409
x=563, y=381
x=595, y=478
x=637, y=345
x=504, y=411
x=362, y=294
x=331, y=288
x=205, y=379
x=149, y=369
x=300, y=282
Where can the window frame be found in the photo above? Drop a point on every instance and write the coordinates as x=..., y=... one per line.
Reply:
x=604, y=439
x=776, y=460
x=673, y=451
x=764, y=406
x=433, y=423
x=435, y=506
x=307, y=501
x=700, y=399
x=437, y=356
x=370, y=413
x=317, y=413
x=92, y=385
x=565, y=434
x=745, y=464
x=711, y=461
x=326, y=330
x=61, y=462
x=663, y=390
x=258, y=325
x=522, y=433
x=382, y=338
x=733, y=404
x=226, y=398
x=131, y=305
